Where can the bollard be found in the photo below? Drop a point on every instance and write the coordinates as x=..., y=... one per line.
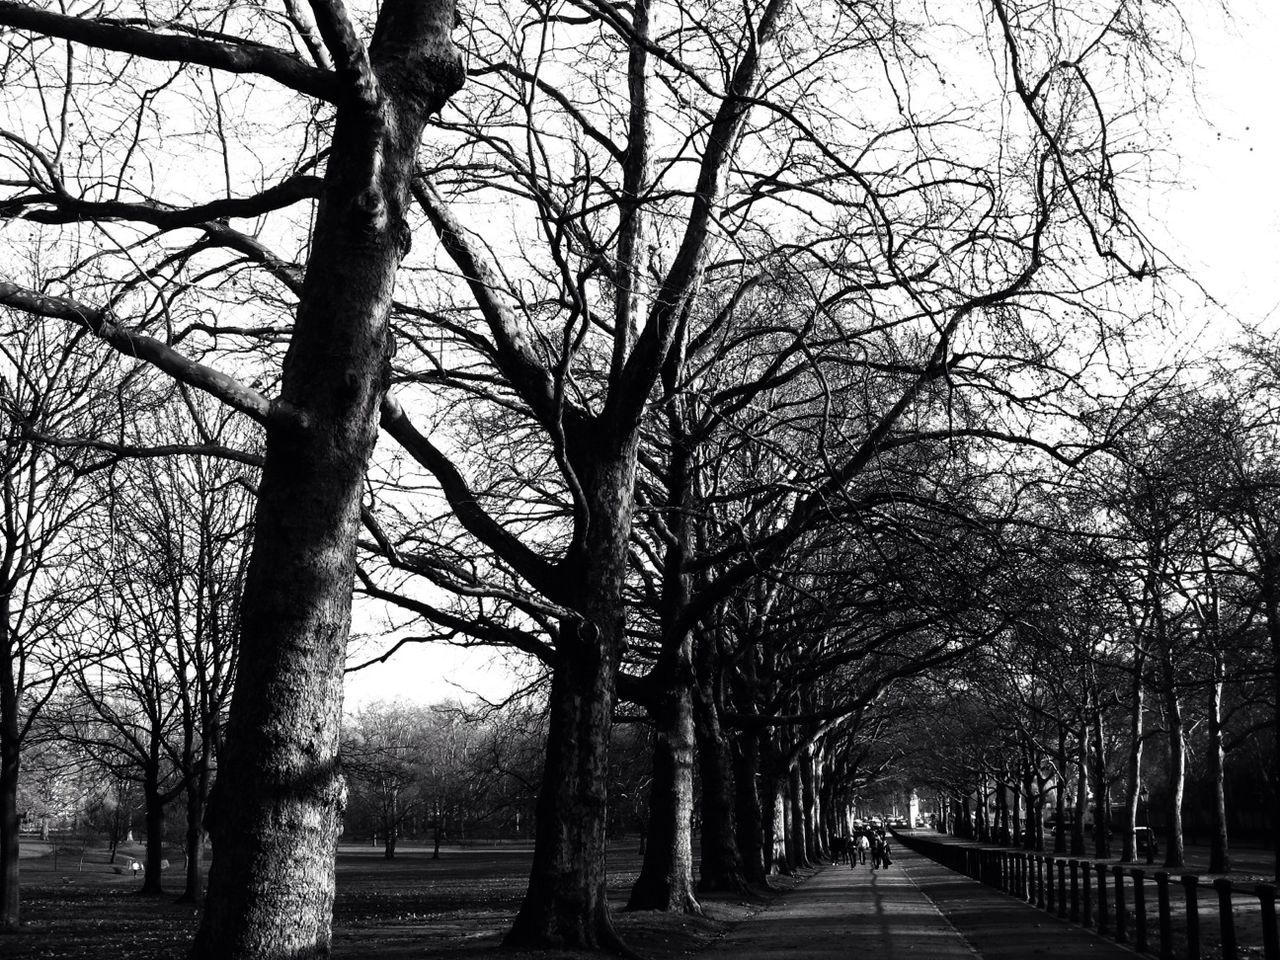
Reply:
x=1191, y=883
x=1086, y=897
x=1226, y=919
x=1139, y=909
x=1117, y=871
x=1103, y=921
x=1062, y=888
x=1166, y=926
x=1270, y=938
x=1074, y=866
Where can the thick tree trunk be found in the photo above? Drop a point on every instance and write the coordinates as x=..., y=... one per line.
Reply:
x=783, y=854
x=755, y=839
x=1060, y=794
x=10, y=761
x=565, y=905
x=197, y=791
x=10, y=903
x=721, y=863
x=1271, y=598
x=153, y=813
x=797, y=847
x=666, y=875
x=275, y=811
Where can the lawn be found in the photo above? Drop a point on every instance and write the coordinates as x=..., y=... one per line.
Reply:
x=456, y=907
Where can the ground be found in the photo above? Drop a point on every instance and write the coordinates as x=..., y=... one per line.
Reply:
x=454, y=908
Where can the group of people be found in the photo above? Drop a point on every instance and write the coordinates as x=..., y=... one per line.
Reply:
x=868, y=843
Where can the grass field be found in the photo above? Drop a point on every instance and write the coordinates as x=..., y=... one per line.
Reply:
x=413, y=906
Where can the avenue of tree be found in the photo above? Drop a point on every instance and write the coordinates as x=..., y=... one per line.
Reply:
x=767, y=375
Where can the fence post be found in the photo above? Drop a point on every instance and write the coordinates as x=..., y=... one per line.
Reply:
x=1139, y=909
x=1117, y=871
x=1075, y=890
x=1270, y=939
x=1086, y=895
x=1102, y=899
x=1062, y=888
x=1039, y=862
x=1166, y=926
x=1226, y=919
x=1191, y=883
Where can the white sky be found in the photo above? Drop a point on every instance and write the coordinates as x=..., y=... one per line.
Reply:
x=1223, y=222
x=1219, y=220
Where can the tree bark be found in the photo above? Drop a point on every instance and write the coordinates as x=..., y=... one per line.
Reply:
x=1175, y=857
x=753, y=835
x=666, y=874
x=10, y=756
x=720, y=863
x=275, y=810
x=1082, y=790
x=565, y=905
x=1219, y=850
x=1101, y=789
x=153, y=803
x=1133, y=780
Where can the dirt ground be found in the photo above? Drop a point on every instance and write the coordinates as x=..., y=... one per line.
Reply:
x=454, y=908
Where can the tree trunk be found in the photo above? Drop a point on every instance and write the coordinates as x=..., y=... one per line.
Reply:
x=754, y=836
x=721, y=866
x=796, y=846
x=153, y=811
x=1219, y=851
x=1271, y=598
x=1175, y=857
x=1082, y=791
x=809, y=805
x=275, y=811
x=666, y=875
x=10, y=903
x=566, y=905
x=197, y=791
x=1101, y=790
x=1060, y=794
x=1133, y=786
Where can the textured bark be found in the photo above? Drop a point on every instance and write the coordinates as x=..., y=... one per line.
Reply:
x=1219, y=850
x=10, y=760
x=754, y=836
x=1078, y=847
x=1133, y=767
x=809, y=805
x=1175, y=738
x=1271, y=600
x=1101, y=789
x=9, y=880
x=197, y=791
x=720, y=862
x=565, y=905
x=797, y=845
x=153, y=814
x=1060, y=794
x=275, y=811
x=666, y=874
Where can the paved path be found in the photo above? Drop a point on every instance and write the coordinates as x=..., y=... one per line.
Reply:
x=915, y=908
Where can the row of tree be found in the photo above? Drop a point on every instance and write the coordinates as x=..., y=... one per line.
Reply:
x=718, y=354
